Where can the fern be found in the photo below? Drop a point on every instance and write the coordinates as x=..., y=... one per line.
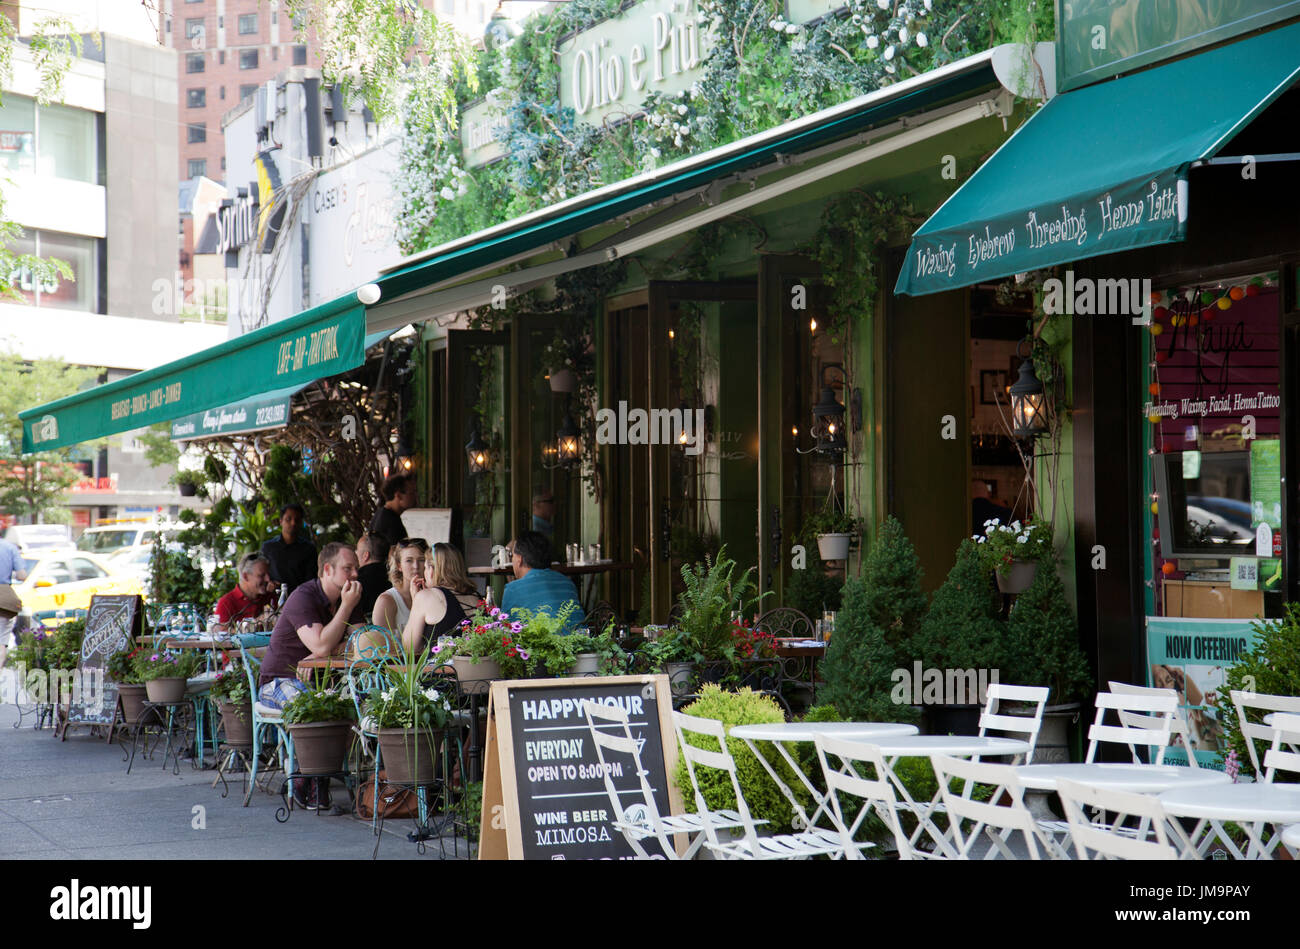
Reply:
x=711, y=595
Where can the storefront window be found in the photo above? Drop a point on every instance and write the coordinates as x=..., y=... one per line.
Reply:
x=54, y=141
x=17, y=134
x=79, y=253
x=1214, y=472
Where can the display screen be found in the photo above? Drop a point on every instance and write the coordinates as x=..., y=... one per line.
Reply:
x=1205, y=501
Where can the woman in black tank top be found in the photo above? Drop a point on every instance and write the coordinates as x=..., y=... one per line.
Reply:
x=435, y=612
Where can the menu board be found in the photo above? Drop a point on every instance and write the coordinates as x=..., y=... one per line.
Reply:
x=544, y=795
x=110, y=624
x=431, y=523
x=1266, y=482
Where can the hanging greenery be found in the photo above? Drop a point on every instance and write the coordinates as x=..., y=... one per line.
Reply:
x=759, y=72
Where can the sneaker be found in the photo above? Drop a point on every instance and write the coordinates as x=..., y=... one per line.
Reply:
x=304, y=794
x=320, y=793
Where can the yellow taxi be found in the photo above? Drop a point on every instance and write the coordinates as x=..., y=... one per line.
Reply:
x=67, y=580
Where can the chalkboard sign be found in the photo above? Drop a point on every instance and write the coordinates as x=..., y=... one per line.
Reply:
x=544, y=796
x=111, y=623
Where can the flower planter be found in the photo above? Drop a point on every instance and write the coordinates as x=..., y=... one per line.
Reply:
x=563, y=380
x=320, y=747
x=133, y=697
x=167, y=690
x=238, y=722
x=188, y=490
x=587, y=664
x=834, y=546
x=410, y=756
x=1016, y=577
x=679, y=676
x=467, y=670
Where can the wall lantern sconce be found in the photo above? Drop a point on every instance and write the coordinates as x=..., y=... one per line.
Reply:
x=568, y=441
x=1028, y=402
x=480, y=458
x=828, y=428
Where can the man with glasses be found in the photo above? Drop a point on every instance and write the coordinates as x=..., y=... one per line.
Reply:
x=252, y=595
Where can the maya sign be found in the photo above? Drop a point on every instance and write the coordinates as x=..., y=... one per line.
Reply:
x=608, y=70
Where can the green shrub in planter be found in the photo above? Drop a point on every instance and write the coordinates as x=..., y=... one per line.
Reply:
x=1270, y=667
x=962, y=630
x=765, y=800
x=63, y=646
x=876, y=631
x=1042, y=644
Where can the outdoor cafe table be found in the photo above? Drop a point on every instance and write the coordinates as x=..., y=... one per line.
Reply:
x=925, y=746
x=778, y=732
x=1249, y=805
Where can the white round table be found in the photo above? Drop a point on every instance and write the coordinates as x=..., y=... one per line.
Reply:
x=1250, y=805
x=1136, y=778
x=777, y=732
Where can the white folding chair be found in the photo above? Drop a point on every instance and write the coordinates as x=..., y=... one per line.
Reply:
x=1114, y=841
x=1257, y=731
x=1142, y=720
x=809, y=843
x=1153, y=729
x=641, y=820
x=1283, y=754
x=1027, y=726
x=875, y=793
x=989, y=816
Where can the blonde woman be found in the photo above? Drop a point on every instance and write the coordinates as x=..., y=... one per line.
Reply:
x=406, y=561
x=449, y=572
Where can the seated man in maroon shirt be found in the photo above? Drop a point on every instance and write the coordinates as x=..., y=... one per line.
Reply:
x=313, y=622
x=251, y=596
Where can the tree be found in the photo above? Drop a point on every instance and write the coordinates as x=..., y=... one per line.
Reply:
x=962, y=630
x=53, y=47
x=34, y=484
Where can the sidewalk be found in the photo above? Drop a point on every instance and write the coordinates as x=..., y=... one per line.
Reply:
x=74, y=800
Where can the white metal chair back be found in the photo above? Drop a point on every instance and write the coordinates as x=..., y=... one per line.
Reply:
x=875, y=793
x=1110, y=841
x=720, y=760
x=1286, y=732
x=1026, y=725
x=1140, y=720
x=649, y=820
x=1257, y=731
x=1154, y=730
x=989, y=815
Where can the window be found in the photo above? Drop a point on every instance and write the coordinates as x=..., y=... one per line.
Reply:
x=248, y=59
x=247, y=92
x=83, y=569
x=221, y=57
x=80, y=253
x=195, y=62
x=221, y=22
x=221, y=93
x=247, y=23
x=196, y=168
x=196, y=98
x=17, y=133
x=275, y=17
x=56, y=571
x=196, y=132
x=300, y=55
x=194, y=28
x=223, y=162
x=275, y=52
x=66, y=143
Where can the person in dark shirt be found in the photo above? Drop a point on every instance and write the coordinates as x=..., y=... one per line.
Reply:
x=399, y=495
x=292, y=554
x=983, y=509
x=372, y=554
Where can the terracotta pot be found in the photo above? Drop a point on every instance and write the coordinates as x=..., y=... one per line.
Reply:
x=467, y=670
x=133, y=696
x=169, y=689
x=834, y=546
x=410, y=756
x=320, y=747
x=587, y=664
x=1016, y=577
x=238, y=722
x=563, y=380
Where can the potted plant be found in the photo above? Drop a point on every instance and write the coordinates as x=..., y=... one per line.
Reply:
x=320, y=724
x=166, y=675
x=411, y=720
x=598, y=654
x=189, y=482
x=1014, y=551
x=672, y=652
x=1271, y=666
x=962, y=631
x=235, y=700
x=1042, y=649
x=834, y=529
x=123, y=668
x=486, y=648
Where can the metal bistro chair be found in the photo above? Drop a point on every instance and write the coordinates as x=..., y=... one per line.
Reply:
x=370, y=646
x=1114, y=841
x=641, y=820
x=1260, y=704
x=987, y=816
x=875, y=793
x=1179, y=728
x=786, y=621
x=265, y=720
x=810, y=843
x=1027, y=726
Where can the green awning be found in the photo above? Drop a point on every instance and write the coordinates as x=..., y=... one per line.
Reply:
x=1100, y=169
x=319, y=342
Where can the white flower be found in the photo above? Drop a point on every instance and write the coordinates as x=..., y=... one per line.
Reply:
x=873, y=42
x=903, y=34
x=678, y=141
x=982, y=539
x=447, y=193
x=386, y=696
x=883, y=4
x=921, y=39
x=431, y=694
x=655, y=153
x=792, y=28
x=889, y=51
x=1015, y=525
x=990, y=528
x=682, y=110
x=928, y=4
x=1022, y=539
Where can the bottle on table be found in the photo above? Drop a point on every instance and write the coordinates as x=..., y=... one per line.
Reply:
x=489, y=600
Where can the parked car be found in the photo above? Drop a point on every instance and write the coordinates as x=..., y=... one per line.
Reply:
x=36, y=540
x=66, y=581
x=112, y=538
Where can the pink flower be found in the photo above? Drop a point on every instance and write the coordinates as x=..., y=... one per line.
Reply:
x=523, y=654
x=494, y=611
